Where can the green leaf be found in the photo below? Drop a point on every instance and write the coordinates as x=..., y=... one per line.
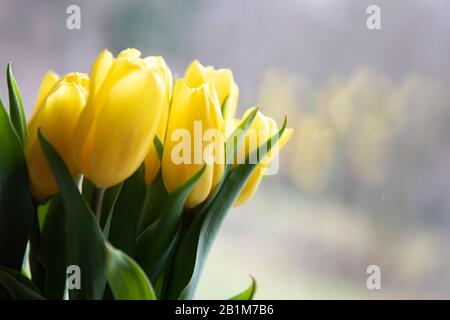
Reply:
x=16, y=111
x=235, y=140
x=36, y=267
x=195, y=246
x=154, y=203
x=79, y=232
x=127, y=213
x=16, y=208
x=87, y=189
x=158, y=146
x=15, y=286
x=126, y=279
x=42, y=210
x=51, y=251
x=153, y=247
x=109, y=201
x=248, y=293
x=156, y=194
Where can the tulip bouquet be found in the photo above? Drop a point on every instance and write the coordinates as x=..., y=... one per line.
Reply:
x=119, y=182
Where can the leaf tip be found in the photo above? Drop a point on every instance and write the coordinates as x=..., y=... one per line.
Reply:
x=9, y=74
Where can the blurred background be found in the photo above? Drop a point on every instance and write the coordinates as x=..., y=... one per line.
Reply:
x=366, y=177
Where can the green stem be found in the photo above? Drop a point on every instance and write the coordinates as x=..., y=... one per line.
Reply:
x=97, y=201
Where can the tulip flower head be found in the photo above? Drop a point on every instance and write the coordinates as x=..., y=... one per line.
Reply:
x=58, y=107
x=261, y=129
x=117, y=127
x=195, y=112
x=222, y=80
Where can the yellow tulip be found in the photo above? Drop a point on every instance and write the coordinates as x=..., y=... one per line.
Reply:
x=152, y=162
x=260, y=131
x=191, y=108
x=117, y=127
x=58, y=106
x=222, y=79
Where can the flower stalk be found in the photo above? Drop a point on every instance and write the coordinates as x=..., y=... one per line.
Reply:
x=97, y=202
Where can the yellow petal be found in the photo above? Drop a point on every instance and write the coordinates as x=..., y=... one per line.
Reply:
x=100, y=69
x=130, y=53
x=195, y=75
x=152, y=164
x=158, y=64
x=230, y=106
x=250, y=187
x=222, y=79
x=47, y=83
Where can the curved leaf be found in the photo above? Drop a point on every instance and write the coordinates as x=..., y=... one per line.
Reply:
x=87, y=189
x=16, y=286
x=16, y=208
x=126, y=279
x=195, y=246
x=154, y=203
x=16, y=111
x=156, y=194
x=248, y=293
x=109, y=201
x=233, y=144
x=79, y=232
x=153, y=247
x=51, y=252
x=36, y=267
x=126, y=213
x=158, y=146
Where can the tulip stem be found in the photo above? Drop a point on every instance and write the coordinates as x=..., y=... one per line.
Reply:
x=97, y=201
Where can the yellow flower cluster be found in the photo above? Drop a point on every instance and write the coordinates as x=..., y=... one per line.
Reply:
x=103, y=125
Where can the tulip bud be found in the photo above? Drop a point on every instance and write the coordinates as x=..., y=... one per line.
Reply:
x=117, y=127
x=57, y=110
x=152, y=162
x=222, y=79
x=195, y=119
x=261, y=130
